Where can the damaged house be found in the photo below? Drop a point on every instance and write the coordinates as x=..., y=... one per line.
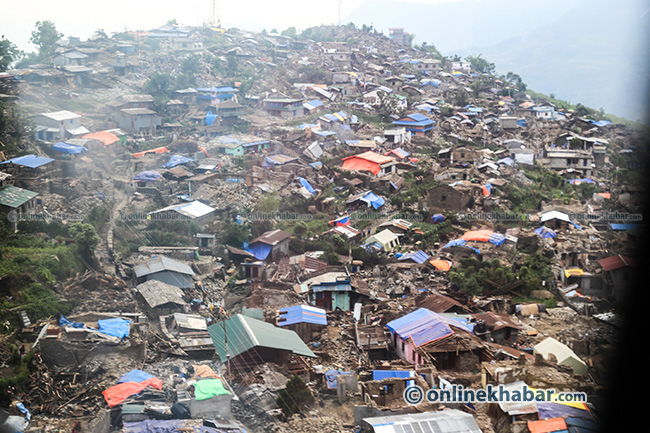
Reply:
x=59, y=125
x=166, y=270
x=334, y=291
x=422, y=337
x=245, y=341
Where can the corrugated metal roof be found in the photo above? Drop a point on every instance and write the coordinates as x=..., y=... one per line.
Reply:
x=157, y=293
x=439, y=303
x=616, y=262
x=499, y=321
x=372, y=157
x=159, y=264
x=272, y=237
x=245, y=333
x=446, y=421
x=14, y=197
x=417, y=256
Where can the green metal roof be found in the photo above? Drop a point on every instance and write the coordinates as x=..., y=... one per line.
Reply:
x=15, y=197
x=245, y=333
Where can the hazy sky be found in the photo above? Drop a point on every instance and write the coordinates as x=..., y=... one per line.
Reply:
x=81, y=18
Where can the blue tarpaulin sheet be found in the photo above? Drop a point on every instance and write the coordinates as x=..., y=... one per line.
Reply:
x=330, y=377
x=64, y=321
x=497, y=239
x=544, y=232
x=307, y=185
x=135, y=376
x=385, y=374
x=68, y=148
x=209, y=118
x=147, y=176
x=176, y=160
x=556, y=410
x=461, y=243
x=259, y=250
x=154, y=426
x=31, y=161
x=116, y=327
x=437, y=218
x=373, y=200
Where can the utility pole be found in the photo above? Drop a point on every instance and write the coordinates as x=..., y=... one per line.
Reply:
x=340, y=1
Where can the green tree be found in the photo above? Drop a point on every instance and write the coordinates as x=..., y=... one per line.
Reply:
x=481, y=65
x=45, y=38
x=86, y=238
x=290, y=32
x=295, y=397
x=159, y=86
x=9, y=53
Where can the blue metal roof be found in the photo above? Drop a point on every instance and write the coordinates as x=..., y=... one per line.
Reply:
x=31, y=161
x=423, y=326
x=302, y=314
x=615, y=226
x=418, y=257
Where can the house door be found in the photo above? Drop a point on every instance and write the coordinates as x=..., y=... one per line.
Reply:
x=324, y=300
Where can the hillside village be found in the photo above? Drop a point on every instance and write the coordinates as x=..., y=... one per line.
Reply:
x=220, y=230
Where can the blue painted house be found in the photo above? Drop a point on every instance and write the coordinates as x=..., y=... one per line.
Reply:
x=416, y=123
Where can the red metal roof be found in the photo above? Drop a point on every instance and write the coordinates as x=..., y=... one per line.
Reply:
x=616, y=262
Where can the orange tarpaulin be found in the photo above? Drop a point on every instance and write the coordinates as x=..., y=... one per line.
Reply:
x=156, y=150
x=441, y=265
x=105, y=137
x=478, y=235
x=358, y=164
x=547, y=425
x=120, y=392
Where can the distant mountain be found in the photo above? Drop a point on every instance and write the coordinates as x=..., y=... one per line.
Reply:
x=589, y=51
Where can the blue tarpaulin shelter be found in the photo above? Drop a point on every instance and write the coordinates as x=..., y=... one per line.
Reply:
x=147, y=176
x=175, y=160
x=68, y=148
x=374, y=200
x=544, y=232
x=209, y=118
